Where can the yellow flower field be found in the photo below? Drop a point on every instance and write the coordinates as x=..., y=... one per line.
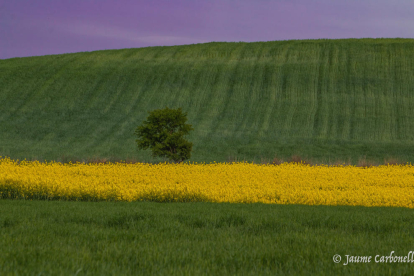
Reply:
x=218, y=182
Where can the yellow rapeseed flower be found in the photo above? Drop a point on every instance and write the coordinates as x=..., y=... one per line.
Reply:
x=217, y=182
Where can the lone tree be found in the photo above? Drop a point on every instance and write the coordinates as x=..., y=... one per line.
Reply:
x=163, y=133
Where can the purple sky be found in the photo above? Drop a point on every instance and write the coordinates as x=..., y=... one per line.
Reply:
x=43, y=27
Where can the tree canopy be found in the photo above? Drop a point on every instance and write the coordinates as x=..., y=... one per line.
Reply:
x=163, y=132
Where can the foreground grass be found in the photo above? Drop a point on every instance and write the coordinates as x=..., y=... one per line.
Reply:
x=107, y=238
x=325, y=100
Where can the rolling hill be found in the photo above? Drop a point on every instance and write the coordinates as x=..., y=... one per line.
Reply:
x=325, y=100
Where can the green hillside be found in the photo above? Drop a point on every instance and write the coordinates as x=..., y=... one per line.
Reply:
x=324, y=100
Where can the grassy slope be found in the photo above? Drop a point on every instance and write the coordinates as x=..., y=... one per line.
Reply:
x=107, y=238
x=321, y=99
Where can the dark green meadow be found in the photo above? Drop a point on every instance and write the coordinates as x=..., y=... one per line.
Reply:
x=144, y=238
x=326, y=101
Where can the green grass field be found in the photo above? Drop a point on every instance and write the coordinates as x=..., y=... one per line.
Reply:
x=107, y=238
x=327, y=101
x=324, y=100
